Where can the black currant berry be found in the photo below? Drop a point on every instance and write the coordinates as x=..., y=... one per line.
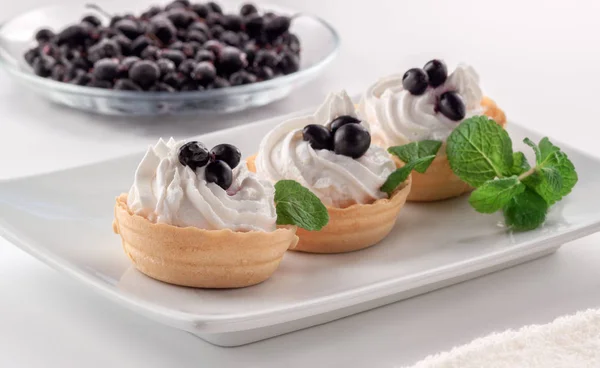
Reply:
x=126, y=85
x=175, y=56
x=145, y=73
x=31, y=55
x=129, y=28
x=106, y=48
x=254, y=25
x=288, y=63
x=318, y=136
x=227, y=153
x=106, y=69
x=242, y=77
x=452, y=106
x=213, y=46
x=165, y=66
x=196, y=36
x=415, y=81
x=163, y=29
x=181, y=18
x=42, y=66
x=277, y=26
x=231, y=60
x=266, y=58
x=193, y=154
x=187, y=67
x=204, y=72
x=341, y=121
x=248, y=9
x=351, y=140
x=220, y=173
x=437, y=72
x=73, y=35
x=201, y=10
x=214, y=7
x=98, y=83
x=44, y=35
x=204, y=55
x=92, y=20
x=124, y=43
x=161, y=87
x=218, y=83
x=175, y=80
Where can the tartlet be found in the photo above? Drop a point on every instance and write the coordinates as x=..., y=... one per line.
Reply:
x=183, y=225
x=197, y=257
x=360, y=214
x=398, y=117
x=352, y=228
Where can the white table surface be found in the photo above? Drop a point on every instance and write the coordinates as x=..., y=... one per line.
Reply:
x=539, y=60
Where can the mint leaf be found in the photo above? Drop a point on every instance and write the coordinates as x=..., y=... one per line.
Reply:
x=552, y=178
x=398, y=177
x=526, y=211
x=547, y=148
x=422, y=164
x=415, y=151
x=520, y=164
x=555, y=174
x=495, y=194
x=479, y=150
x=536, y=149
x=416, y=156
x=298, y=206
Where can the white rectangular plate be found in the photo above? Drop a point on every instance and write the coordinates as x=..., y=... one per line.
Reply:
x=64, y=219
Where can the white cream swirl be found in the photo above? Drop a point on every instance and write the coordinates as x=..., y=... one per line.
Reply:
x=337, y=180
x=165, y=191
x=398, y=117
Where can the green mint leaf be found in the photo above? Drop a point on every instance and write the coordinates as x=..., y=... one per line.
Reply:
x=495, y=194
x=552, y=178
x=416, y=156
x=298, y=206
x=422, y=164
x=555, y=174
x=547, y=148
x=520, y=164
x=398, y=177
x=536, y=149
x=479, y=150
x=526, y=211
x=415, y=151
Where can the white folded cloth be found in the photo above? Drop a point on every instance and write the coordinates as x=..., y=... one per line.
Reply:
x=569, y=342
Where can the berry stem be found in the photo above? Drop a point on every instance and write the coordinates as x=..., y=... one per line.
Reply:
x=99, y=10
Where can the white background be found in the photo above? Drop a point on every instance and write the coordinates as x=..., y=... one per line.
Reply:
x=538, y=59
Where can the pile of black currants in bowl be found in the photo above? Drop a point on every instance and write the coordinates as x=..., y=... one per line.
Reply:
x=181, y=47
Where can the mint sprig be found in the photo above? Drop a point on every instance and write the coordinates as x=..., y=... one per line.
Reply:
x=296, y=205
x=416, y=156
x=480, y=154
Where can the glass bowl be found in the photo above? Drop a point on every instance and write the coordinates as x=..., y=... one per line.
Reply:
x=319, y=40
